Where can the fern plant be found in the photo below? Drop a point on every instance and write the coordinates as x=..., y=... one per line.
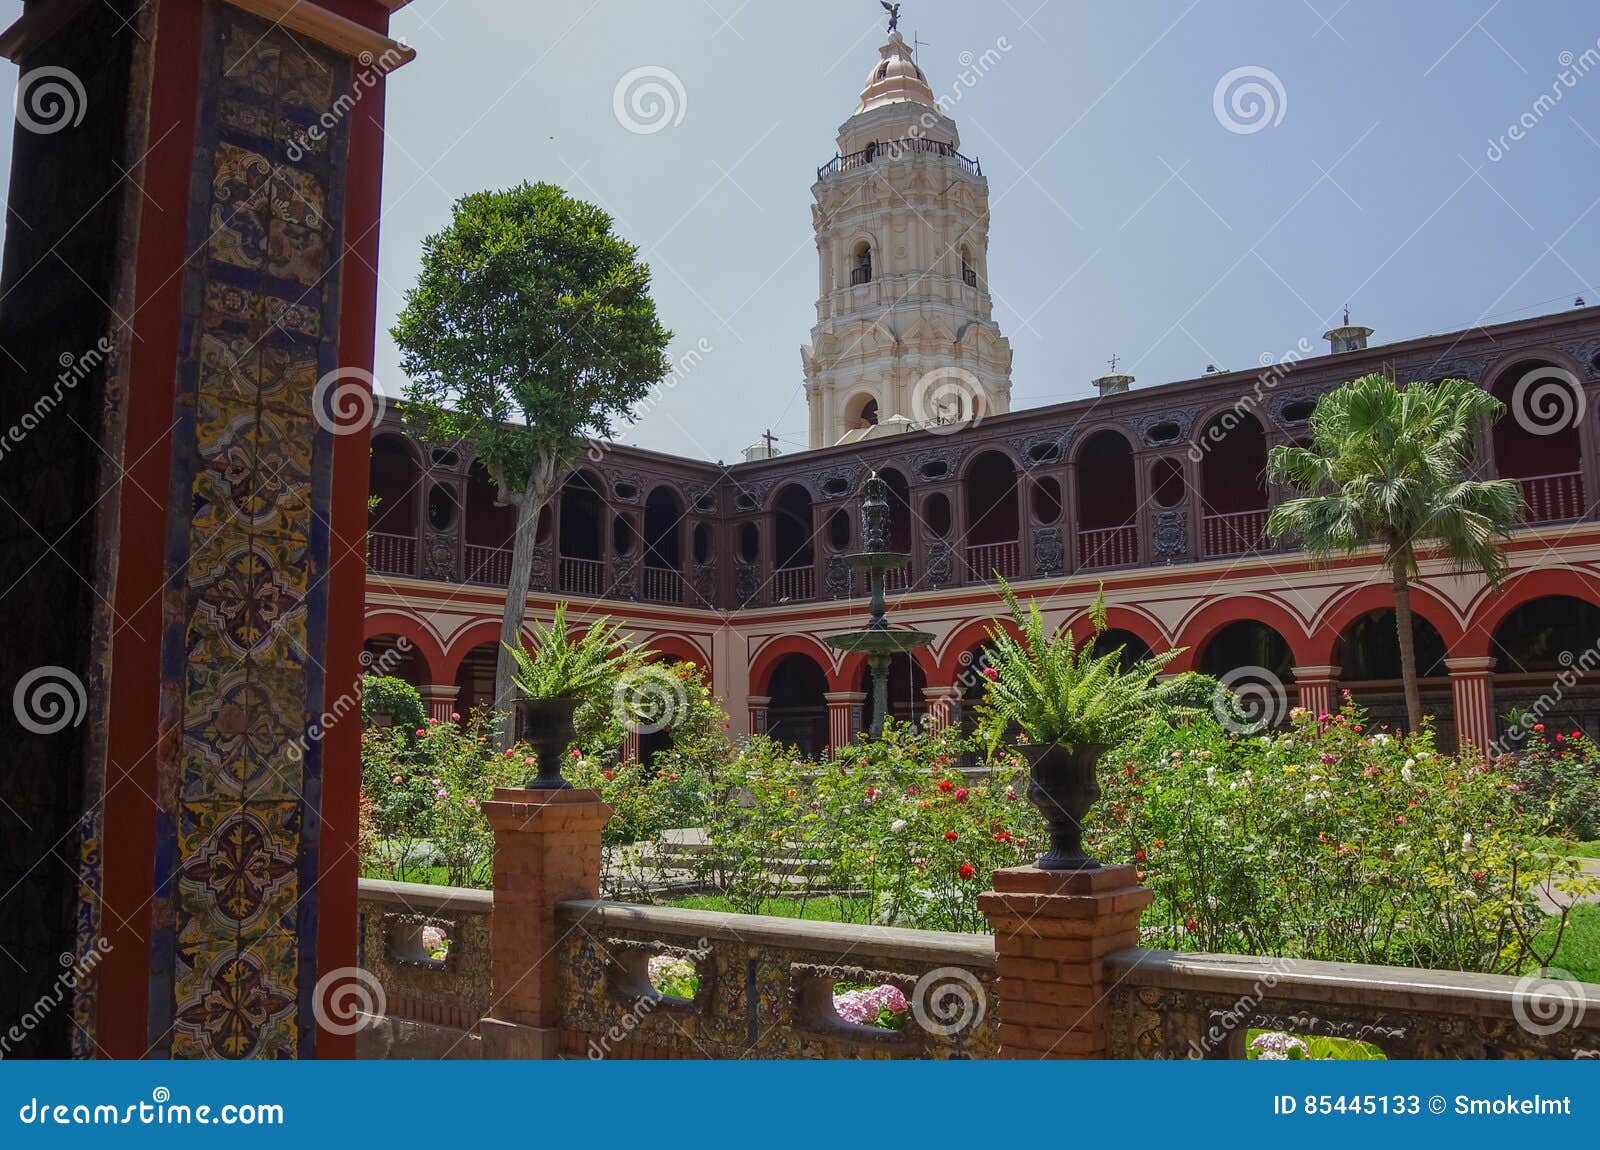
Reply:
x=1057, y=691
x=555, y=666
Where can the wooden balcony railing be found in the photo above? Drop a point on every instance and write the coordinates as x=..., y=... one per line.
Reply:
x=1108, y=547
x=984, y=559
x=391, y=554
x=582, y=576
x=1553, y=498
x=488, y=565
x=662, y=585
x=899, y=580
x=1238, y=533
x=793, y=584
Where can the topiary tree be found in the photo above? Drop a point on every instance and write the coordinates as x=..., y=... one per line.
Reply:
x=529, y=330
x=384, y=695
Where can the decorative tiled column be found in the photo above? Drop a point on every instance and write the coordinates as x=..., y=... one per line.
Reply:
x=1317, y=688
x=1052, y=932
x=546, y=851
x=758, y=712
x=222, y=871
x=943, y=704
x=1472, y=692
x=844, y=717
x=439, y=699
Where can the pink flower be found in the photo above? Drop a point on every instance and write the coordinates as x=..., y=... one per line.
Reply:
x=421, y=731
x=455, y=716
x=439, y=794
x=991, y=674
x=433, y=722
x=528, y=762
x=1011, y=794
x=961, y=794
x=575, y=752
x=472, y=802
x=395, y=780
x=509, y=752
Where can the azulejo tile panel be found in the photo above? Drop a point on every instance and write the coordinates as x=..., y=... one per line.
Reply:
x=245, y=611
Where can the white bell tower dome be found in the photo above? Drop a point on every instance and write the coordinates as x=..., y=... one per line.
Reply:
x=905, y=334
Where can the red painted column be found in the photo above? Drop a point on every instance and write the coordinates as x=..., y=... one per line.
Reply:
x=941, y=706
x=1318, y=688
x=844, y=717
x=1472, y=694
x=758, y=713
x=440, y=700
x=630, y=745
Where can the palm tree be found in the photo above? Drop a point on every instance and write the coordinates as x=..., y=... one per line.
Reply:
x=1387, y=467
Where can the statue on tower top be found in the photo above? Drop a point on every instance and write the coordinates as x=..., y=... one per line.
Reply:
x=894, y=14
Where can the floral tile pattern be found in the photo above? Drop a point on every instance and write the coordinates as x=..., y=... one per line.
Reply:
x=245, y=615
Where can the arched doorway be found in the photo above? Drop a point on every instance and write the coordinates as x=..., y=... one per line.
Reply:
x=1546, y=652
x=392, y=515
x=582, y=519
x=1368, y=656
x=1233, y=486
x=989, y=491
x=663, y=546
x=794, y=550
x=475, y=677
x=489, y=529
x=1134, y=649
x=1255, y=662
x=899, y=527
x=386, y=655
x=798, y=711
x=1107, y=503
x=1537, y=441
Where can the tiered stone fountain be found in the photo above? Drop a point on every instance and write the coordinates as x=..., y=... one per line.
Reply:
x=877, y=639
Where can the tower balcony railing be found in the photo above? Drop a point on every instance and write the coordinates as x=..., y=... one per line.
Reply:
x=896, y=150
x=1108, y=547
x=794, y=584
x=662, y=585
x=582, y=576
x=490, y=566
x=984, y=559
x=1553, y=498
x=1237, y=533
x=391, y=554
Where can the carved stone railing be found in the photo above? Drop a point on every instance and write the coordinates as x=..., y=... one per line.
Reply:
x=766, y=986
x=1171, y=1005
x=430, y=1007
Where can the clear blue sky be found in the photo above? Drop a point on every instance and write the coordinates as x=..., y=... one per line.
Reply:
x=1126, y=218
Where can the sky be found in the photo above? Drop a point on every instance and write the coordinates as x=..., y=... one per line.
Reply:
x=1137, y=211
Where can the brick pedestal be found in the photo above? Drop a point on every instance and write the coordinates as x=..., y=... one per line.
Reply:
x=546, y=851
x=1052, y=931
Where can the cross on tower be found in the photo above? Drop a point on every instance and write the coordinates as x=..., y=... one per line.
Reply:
x=916, y=43
x=769, y=439
x=1113, y=362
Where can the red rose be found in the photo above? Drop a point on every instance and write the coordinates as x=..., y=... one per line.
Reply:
x=609, y=774
x=1139, y=855
x=951, y=836
x=1191, y=925
x=1539, y=727
x=991, y=674
x=945, y=784
x=966, y=871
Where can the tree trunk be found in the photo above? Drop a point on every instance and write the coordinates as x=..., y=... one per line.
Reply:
x=528, y=504
x=505, y=694
x=1408, y=650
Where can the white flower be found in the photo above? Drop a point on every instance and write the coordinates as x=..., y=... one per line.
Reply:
x=898, y=825
x=1466, y=841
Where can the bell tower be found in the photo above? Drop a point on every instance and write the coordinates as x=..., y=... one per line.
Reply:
x=905, y=334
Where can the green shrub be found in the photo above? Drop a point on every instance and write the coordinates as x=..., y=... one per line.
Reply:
x=385, y=697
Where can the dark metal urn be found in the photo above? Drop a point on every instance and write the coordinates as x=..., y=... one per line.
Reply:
x=546, y=726
x=1063, y=782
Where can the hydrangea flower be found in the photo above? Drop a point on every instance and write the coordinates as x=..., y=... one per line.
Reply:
x=865, y=1007
x=1276, y=1046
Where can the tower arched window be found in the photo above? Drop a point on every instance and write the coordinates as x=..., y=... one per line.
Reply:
x=969, y=274
x=861, y=264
